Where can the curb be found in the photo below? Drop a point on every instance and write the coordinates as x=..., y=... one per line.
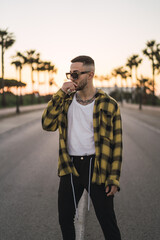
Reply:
x=10, y=112
x=144, y=107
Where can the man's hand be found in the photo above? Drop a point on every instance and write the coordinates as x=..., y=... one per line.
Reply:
x=69, y=87
x=111, y=190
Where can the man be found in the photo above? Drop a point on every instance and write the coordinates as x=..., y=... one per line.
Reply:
x=90, y=147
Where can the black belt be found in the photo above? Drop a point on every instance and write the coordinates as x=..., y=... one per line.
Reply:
x=82, y=157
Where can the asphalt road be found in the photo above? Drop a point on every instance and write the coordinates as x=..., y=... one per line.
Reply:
x=29, y=182
x=137, y=204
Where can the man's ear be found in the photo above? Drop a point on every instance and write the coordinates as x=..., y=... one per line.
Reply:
x=91, y=74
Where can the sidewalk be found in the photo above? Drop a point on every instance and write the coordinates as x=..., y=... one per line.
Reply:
x=8, y=112
x=9, y=120
x=153, y=111
x=19, y=121
x=136, y=106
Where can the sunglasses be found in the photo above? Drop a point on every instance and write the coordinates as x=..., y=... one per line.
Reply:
x=75, y=75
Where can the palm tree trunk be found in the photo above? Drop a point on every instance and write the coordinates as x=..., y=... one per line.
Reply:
x=38, y=79
x=153, y=73
x=39, y=99
x=50, y=78
x=32, y=96
x=3, y=93
x=136, y=74
x=32, y=79
x=132, y=91
x=131, y=78
x=153, y=84
x=121, y=91
x=17, y=102
x=139, y=91
x=140, y=97
x=20, y=79
x=126, y=84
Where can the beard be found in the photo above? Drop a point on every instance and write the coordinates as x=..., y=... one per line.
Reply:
x=81, y=85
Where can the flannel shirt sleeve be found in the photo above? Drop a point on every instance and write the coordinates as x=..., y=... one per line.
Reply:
x=113, y=178
x=52, y=111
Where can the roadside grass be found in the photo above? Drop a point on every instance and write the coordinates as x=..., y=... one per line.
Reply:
x=28, y=99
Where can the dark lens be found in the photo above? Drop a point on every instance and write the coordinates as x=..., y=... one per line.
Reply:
x=74, y=75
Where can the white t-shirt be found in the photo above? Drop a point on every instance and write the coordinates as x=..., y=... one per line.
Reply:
x=80, y=133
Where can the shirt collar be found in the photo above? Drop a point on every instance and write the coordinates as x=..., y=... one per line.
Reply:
x=98, y=93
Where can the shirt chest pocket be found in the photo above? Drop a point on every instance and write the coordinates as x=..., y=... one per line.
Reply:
x=106, y=125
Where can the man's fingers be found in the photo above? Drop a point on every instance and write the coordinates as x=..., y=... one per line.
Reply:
x=75, y=84
x=70, y=83
x=112, y=191
x=107, y=189
x=110, y=194
x=69, y=87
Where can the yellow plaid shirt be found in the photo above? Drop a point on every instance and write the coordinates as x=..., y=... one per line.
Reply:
x=107, y=136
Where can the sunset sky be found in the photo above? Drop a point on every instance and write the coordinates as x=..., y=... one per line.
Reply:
x=108, y=31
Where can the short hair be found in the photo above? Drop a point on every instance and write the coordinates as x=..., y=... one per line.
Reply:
x=86, y=60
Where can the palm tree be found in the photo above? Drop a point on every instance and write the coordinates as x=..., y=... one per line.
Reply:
x=102, y=78
x=134, y=61
x=51, y=79
x=38, y=68
x=115, y=73
x=141, y=86
x=130, y=65
x=150, y=51
x=18, y=62
x=30, y=59
x=18, y=66
x=120, y=71
x=145, y=86
x=51, y=69
x=124, y=74
x=158, y=58
x=137, y=61
x=6, y=40
x=47, y=67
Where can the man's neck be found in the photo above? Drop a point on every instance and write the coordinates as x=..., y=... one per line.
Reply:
x=87, y=93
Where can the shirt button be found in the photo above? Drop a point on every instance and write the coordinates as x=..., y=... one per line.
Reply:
x=81, y=158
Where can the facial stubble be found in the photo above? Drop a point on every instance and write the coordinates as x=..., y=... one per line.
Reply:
x=82, y=85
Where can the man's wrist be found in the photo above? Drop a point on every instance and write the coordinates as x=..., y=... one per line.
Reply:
x=63, y=91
